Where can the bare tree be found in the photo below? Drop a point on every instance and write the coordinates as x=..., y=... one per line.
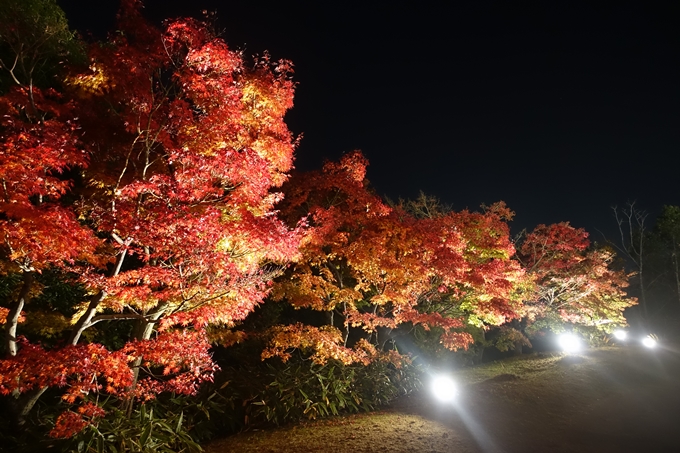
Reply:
x=632, y=230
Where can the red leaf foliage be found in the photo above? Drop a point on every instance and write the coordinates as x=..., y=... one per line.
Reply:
x=177, y=145
x=175, y=361
x=574, y=280
x=195, y=142
x=37, y=230
x=377, y=267
x=80, y=369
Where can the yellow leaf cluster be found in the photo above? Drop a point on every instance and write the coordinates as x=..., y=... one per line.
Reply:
x=95, y=83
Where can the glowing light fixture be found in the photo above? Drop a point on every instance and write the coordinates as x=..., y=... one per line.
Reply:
x=444, y=388
x=649, y=342
x=620, y=335
x=569, y=342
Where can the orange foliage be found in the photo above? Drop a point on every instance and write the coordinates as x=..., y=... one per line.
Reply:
x=375, y=267
x=574, y=280
x=324, y=343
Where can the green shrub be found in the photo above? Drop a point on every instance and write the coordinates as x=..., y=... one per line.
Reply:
x=275, y=393
x=381, y=382
x=150, y=428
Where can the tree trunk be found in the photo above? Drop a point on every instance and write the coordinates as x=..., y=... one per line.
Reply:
x=143, y=332
x=24, y=403
x=517, y=348
x=20, y=404
x=14, y=313
x=479, y=357
x=84, y=321
x=641, y=261
x=631, y=247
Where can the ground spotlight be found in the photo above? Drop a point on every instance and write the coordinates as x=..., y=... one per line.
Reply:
x=649, y=342
x=444, y=388
x=569, y=342
x=620, y=335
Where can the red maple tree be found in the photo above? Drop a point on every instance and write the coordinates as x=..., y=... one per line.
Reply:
x=575, y=282
x=38, y=230
x=180, y=143
x=195, y=141
x=373, y=268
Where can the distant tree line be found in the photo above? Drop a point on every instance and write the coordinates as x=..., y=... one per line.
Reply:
x=651, y=247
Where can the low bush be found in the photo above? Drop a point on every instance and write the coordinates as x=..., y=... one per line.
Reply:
x=275, y=393
x=152, y=427
x=249, y=395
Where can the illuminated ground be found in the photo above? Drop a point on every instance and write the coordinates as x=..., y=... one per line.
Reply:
x=606, y=400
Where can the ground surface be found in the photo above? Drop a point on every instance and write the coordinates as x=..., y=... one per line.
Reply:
x=605, y=400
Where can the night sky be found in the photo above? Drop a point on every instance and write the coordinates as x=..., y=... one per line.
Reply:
x=560, y=109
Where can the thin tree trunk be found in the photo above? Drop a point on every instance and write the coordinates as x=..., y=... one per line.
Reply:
x=25, y=402
x=15, y=312
x=21, y=404
x=346, y=324
x=143, y=332
x=85, y=320
x=643, y=295
x=635, y=223
x=517, y=347
x=480, y=356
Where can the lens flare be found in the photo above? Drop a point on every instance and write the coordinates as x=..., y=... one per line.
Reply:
x=569, y=342
x=444, y=389
x=620, y=335
x=649, y=342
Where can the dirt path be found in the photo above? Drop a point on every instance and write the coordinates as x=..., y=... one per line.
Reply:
x=609, y=400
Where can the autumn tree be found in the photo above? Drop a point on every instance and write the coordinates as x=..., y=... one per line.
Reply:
x=491, y=296
x=373, y=268
x=195, y=140
x=35, y=42
x=40, y=142
x=38, y=231
x=575, y=282
x=179, y=142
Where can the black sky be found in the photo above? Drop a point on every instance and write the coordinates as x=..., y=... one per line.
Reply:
x=561, y=109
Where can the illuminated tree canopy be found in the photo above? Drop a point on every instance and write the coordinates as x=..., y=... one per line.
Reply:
x=177, y=143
